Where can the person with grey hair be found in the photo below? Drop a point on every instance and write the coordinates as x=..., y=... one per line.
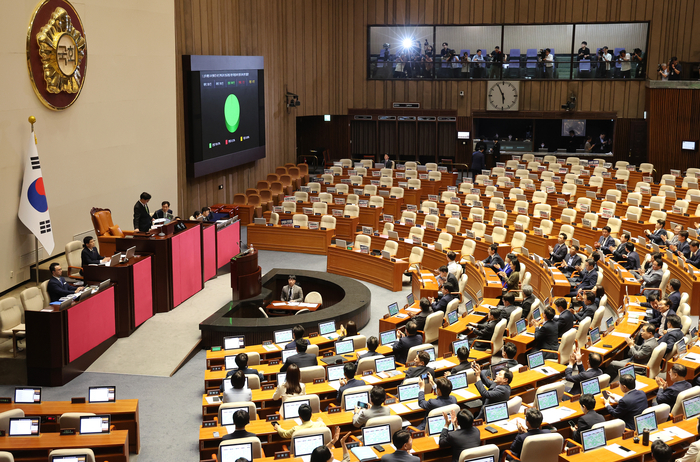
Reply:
x=528, y=300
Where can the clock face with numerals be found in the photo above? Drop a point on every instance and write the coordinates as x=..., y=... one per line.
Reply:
x=503, y=96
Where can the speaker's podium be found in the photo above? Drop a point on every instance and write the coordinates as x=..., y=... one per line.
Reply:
x=177, y=261
x=245, y=275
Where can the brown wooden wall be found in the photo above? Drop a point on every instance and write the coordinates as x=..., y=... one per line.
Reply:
x=318, y=49
x=674, y=116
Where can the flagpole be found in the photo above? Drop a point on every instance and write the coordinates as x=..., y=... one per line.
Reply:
x=32, y=121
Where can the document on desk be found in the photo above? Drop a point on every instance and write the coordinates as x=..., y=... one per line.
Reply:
x=413, y=310
x=335, y=384
x=631, y=279
x=437, y=439
x=412, y=405
x=598, y=350
x=361, y=352
x=511, y=425
x=332, y=336
x=270, y=347
x=401, y=316
x=279, y=304
x=640, y=385
x=371, y=379
x=615, y=448
x=399, y=408
x=692, y=358
x=441, y=363
x=679, y=432
x=528, y=334
x=662, y=435
x=556, y=414
x=230, y=429
x=464, y=393
x=213, y=400
x=546, y=370
x=620, y=334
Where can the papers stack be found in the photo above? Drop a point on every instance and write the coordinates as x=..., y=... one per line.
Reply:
x=556, y=414
x=270, y=347
x=464, y=393
x=399, y=408
x=412, y=405
x=615, y=448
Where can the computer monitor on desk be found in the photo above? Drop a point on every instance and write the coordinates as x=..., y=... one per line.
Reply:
x=233, y=452
x=304, y=445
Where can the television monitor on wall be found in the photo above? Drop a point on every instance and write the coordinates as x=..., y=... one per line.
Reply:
x=224, y=112
x=689, y=145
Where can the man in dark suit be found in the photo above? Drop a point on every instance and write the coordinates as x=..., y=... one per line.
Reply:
x=674, y=296
x=589, y=279
x=652, y=278
x=605, y=241
x=559, y=251
x=425, y=311
x=58, y=287
x=669, y=394
x=372, y=345
x=631, y=404
x=571, y=261
x=302, y=358
x=349, y=381
x=588, y=309
x=673, y=333
x=242, y=363
x=292, y=292
x=142, y=217
x=620, y=252
x=659, y=235
x=682, y=247
x=466, y=437
x=566, y=317
x=496, y=391
x=640, y=350
x=533, y=420
x=410, y=339
x=421, y=366
x=694, y=257
x=442, y=388
x=494, y=261
x=478, y=163
x=444, y=276
x=632, y=257
x=464, y=363
x=298, y=332
x=447, y=297
x=528, y=300
x=484, y=330
x=388, y=163
x=589, y=418
x=240, y=420
x=508, y=305
x=594, y=370
x=508, y=352
x=403, y=443
x=547, y=333
x=163, y=211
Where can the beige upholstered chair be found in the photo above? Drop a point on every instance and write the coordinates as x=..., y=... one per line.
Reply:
x=252, y=409
x=86, y=452
x=301, y=220
x=32, y=299
x=73, y=256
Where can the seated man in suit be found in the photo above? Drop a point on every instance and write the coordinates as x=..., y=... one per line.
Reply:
x=494, y=261
x=588, y=309
x=631, y=404
x=652, y=278
x=682, y=247
x=674, y=294
x=292, y=292
x=694, y=256
x=559, y=251
x=605, y=241
x=58, y=287
x=377, y=396
x=442, y=388
x=632, y=262
x=372, y=345
x=466, y=437
x=508, y=305
x=668, y=394
x=571, y=261
x=447, y=297
x=420, y=366
x=403, y=443
x=464, y=363
x=508, y=352
x=302, y=358
x=388, y=163
x=410, y=339
x=142, y=217
x=444, y=276
x=639, y=353
x=673, y=333
x=659, y=235
x=305, y=414
x=164, y=211
x=496, y=391
x=620, y=252
x=528, y=300
x=589, y=418
x=298, y=332
x=484, y=330
x=547, y=333
x=240, y=420
x=533, y=420
x=589, y=279
x=594, y=362
x=565, y=321
x=242, y=363
x=425, y=311
x=349, y=381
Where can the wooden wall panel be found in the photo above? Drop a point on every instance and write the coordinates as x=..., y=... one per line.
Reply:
x=318, y=48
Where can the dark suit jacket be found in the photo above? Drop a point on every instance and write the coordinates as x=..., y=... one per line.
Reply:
x=491, y=393
x=655, y=237
x=684, y=248
x=485, y=373
x=58, y=288
x=388, y=164
x=589, y=280
x=142, y=220
x=400, y=456
x=547, y=336
x=674, y=300
x=238, y=434
x=620, y=253
x=571, y=262
x=664, y=325
x=670, y=394
x=587, y=311
x=586, y=422
x=694, y=259
x=580, y=377
x=477, y=162
x=506, y=311
x=484, y=331
x=605, y=243
x=463, y=366
x=159, y=214
x=459, y=440
x=404, y=344
x=517, y=447
x=671, y=337
x=433, y=403
x=293, y=345
x=352, y=383
x=558, y=253
x=527, y=304
x=441, y=305
x=420, y=318
x=632, y=261
x=247, y=371
x=632, y=404
x=301, y=360
x=417, y=371
x=565, y=322
x=494, y=259
x=90, y=257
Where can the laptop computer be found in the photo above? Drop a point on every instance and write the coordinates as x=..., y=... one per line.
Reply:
x=102, y=394
x=535, y=362
x=342, y=347
x=335, y=372
x=227, y=414
x=393, y=309
x=436, y=424
x=408, y=392
x=457, y=344
x=233, y=452
x=377, y=435
x=26, y=395
x=234, y=342
x=547, y=400
x=536, y=314
x=24, y=426
x=496, y=368
x=283, y=336
x=290, y=409
x=458, y=381
x=384, y=364
x=594, y=335
x=353, y=399
x=645, y=422
x=94, y=424
x=286, y=354
x=452, y=317
x=520, y=326
x=691, y=407
x=130, y=252
x=305, y=445
x=410, y=299
x=70, y=458
x=496, y=412
x=328, y=330
x=281, y=378
x=115, y=260
x=593, y=439
x=590, y=386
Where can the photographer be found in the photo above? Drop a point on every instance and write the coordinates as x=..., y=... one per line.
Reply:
x=465, y=65
x=637, y=58
x=663, y=71
x=584, y=52
x=548, y=62
x=399, y=69
x=455, y=64
x=496, y=64
x=675, y=69
x=625, y=64
x=478, y=66
x=604, y=67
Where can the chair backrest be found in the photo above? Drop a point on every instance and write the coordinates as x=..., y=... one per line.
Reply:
x=358, y=341
x=488, y=450
x=32, y=299
x=683, y=307
x=385, y=182
x=543, y=448
x=312, y=431
x=539, y=197
x=328, y=222
x=523, y=220
x=6, y=457
x=566, y=347
x=685, y=324
x=391, y=247
x=72, y=419
x=598, y=316
x=478, y=211
x=592, y=217
x=6, y=416
x=479, y=229
x=395, y=422
x=396, y=192
x=289, y=207
x=362, y=239
x=416, y=232
x=547, y=226
x=432, y=325
x=314, y=401
x=499, y=234
x=360, y=389
x=497, y=337
x=434, y=219
x=313, y=297
x=377, y=201
x=514, y=404
x=87, y=452
x=406, y=214
x=518, y=241
x=351, y=210
x=257, y=445
x=73, y=250
x=441, y=410
x=434, y=175
x=416, y=256
x=369, y=189
x=314, y=187
x=559, y=387
x=568, y=188
x=613, y=428
x=300, y=219
x=468, y=248
x=447, y=195
x=352, y=199
x=342, y=188
x=682, y=396
x=414, y=350
x=445, y=240
x=657, y=356
x=662, y=412
x=514, y=318
x=252, y=409
x=10, y=313
x=364, y=364
x=320, y=207
x=301, y=196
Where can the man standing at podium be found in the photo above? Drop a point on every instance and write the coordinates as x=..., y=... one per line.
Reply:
x=142, y=217
x=292, y=292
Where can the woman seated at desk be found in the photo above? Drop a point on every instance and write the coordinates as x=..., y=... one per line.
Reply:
x=90, y=255
x=292, y=384
x=511, y=273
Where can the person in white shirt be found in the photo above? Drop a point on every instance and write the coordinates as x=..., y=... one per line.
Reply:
x=238, y=391
x=606, y=58
x=625, y=64
x=453, y=267
x=691, y=454
x=548, y=61
x=479, y=66
x=663, y=71
x=292, y=384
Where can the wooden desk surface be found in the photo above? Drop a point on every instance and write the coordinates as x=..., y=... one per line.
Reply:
x=376, y=270
x=288, y=239
x=112, y=447
x=285, y=306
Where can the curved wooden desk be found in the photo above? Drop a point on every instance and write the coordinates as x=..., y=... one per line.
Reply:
x=376, y=270
x=288, y=239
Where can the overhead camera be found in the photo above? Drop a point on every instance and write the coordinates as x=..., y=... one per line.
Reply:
x=570, y=103
x=387, y=45
x=292, y=101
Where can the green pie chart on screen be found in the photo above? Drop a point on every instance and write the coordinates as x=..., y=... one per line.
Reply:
x=232, y=113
